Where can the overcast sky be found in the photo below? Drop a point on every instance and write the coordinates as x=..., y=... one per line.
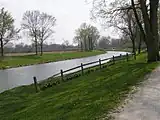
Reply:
x=70, y=14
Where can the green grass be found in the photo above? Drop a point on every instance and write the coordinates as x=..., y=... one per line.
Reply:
x=87, y=97
x=16, y=61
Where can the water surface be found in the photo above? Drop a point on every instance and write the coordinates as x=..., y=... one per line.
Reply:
x=14, y=77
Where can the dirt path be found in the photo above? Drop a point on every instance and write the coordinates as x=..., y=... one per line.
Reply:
x=145, y=104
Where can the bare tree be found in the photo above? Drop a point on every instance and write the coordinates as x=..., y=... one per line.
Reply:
x=150, y=31
x=149, y=28
x=46, y=24
x=30, y=23
x=131, y=28
x=7, y=29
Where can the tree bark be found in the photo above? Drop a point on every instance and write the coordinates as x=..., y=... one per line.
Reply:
x=154, y=24
x=151, y=28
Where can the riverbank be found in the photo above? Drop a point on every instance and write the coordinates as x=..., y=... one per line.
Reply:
x=25, y=60
x=87, y=97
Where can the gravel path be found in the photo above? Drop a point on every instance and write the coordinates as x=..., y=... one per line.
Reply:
x=145, y=104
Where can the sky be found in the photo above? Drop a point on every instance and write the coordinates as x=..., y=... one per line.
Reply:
x=70, y=14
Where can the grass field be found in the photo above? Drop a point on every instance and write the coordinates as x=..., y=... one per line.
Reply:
x=87, y=97
x=24, y=60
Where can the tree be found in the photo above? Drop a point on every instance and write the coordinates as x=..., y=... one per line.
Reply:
x=131, y=28
x=86, y=37
x=30, y=23
x=93, y=36
x=77, y=40
x=148, y=28
x=46, y=24
x=7, y=29
x=150, y=31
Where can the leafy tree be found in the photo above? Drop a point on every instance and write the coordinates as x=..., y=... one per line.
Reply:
x=7, y=29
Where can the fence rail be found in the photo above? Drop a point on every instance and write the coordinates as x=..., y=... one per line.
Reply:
x=99, y=63
x=114, y=58
x=71, y=69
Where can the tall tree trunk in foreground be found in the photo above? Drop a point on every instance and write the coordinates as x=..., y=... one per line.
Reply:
x=150, y=36
x=154, y=29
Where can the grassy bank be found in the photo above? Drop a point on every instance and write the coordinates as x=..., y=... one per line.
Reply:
x=16, y=61
x=87, y=97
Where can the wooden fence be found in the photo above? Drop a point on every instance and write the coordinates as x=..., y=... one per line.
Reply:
x=113, y=59
x=99, y=63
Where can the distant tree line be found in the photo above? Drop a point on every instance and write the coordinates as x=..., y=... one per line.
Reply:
x=23, y=48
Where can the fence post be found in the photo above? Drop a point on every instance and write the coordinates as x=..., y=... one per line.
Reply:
x=82, y=68
x=113, y=60
x=62, y=75
x=35, y=84
x=127, y=57
x=100, y=65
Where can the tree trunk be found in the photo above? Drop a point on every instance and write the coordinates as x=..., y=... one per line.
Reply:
x=152, y=51
x=36, y=46
x=140, y=43
x=2, y=48
x=154, y=25
x=78, y=46
x=81, y=46
x=150, y=26
x=133, y=47
x=41, y=48
x=91, y=43
x=85, y=44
